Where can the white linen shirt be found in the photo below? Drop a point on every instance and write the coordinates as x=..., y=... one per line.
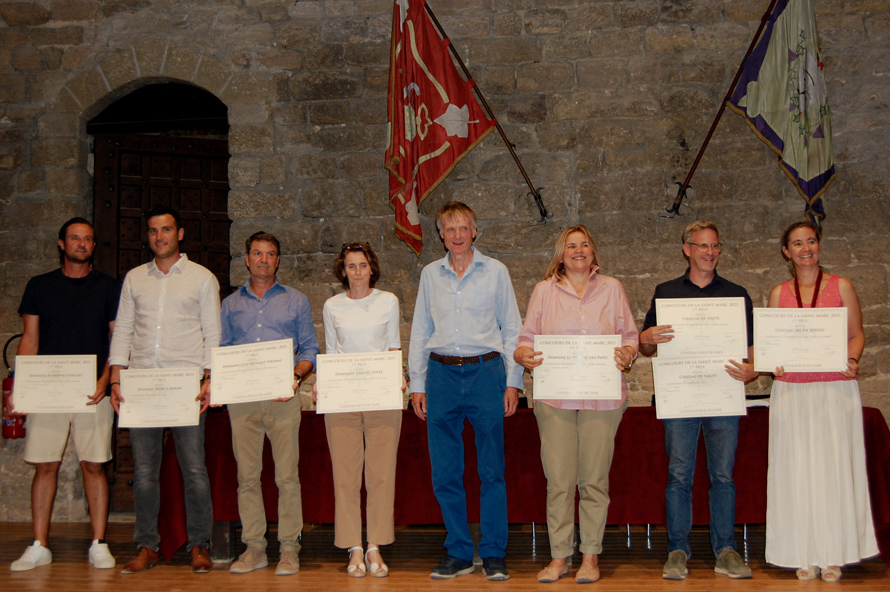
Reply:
x=167, y=321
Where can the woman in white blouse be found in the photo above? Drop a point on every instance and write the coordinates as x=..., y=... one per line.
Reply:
x=362, y=320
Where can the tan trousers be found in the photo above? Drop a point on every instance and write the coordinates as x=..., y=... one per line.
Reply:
x=281, y=422
x=576, y=451
x=369, y=440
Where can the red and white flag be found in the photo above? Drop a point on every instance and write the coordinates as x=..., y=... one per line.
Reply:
x=434, y=117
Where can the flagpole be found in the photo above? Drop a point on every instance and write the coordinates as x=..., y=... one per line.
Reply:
x=534, y=192
x=681, y=193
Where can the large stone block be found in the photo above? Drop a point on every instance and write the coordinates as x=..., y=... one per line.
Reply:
x=506, y=24
x=546, y=21
x=528, y=109
x=73, y=10
x=57, y=153
x=500, y=50
x=56, y=36
x=13, y=88
x=362, y=165
x=214, y=75
x=67, y=182
x=332, y=198
x=50, y=212
x=508, y=237
x=466, y=25
x=296, y=235
x=341, y=138
x=545, y=77
x=88, y=88
x=314, y=166
x=376, y=196
x=585, y=105
x=601, y=73
x=668, y=39
x=119, y=69
x=637, y=13
x=496, y=80
x=274, y=170
x=244, y=172
x=276, y=57
x=299, y=32
x=619, y=43
x=24, y=14
x=372, y=53
x=691, y=11
x=244, y=114
x=344, y=30
x=318, y=86
x=246, y=87
x=251, y=139
x=335, y=233
x=251, y=204
x=590, y=17
x=329, y=112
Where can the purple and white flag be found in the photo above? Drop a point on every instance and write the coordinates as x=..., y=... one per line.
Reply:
x=782, y=96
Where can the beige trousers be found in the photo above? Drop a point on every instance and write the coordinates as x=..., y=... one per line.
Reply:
x=369, y=440
x=281, y=422
x=576, y=451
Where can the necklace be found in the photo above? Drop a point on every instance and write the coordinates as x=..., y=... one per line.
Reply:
x=815, y=291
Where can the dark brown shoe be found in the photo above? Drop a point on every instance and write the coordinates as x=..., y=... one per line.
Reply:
x=144, y=559
x=201, y=562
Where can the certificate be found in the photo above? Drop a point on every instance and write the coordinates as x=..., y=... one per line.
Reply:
x=800, y=339
x=696, y=388
x=160, y=397
x=577, y=367
x=359, y=382
x=703, y=327
x=54, y=384
x=256, y=372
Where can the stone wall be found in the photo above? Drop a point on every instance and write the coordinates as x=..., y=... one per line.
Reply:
x=606, y=101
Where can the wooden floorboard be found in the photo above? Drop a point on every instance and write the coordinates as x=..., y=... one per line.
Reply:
x=627, y=564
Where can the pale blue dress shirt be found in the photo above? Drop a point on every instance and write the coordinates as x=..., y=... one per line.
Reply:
x=470, y=316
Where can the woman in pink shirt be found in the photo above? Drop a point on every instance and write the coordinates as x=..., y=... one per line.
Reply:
x=577, y=436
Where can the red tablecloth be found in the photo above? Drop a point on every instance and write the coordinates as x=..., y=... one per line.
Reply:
x=636, y=481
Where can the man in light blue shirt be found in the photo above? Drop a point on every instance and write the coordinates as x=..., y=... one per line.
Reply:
x=466, y=325
x=264, y=310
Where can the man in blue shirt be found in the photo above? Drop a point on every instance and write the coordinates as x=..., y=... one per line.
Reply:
x=701, y=247
x=264, y=310
x=465, y=328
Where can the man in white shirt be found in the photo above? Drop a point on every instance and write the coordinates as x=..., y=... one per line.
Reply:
x=168, y=317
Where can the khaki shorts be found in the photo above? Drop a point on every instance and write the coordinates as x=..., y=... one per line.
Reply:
x=47, y=435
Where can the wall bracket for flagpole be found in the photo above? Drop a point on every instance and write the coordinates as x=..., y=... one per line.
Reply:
x=674, y=209
x=536, y=193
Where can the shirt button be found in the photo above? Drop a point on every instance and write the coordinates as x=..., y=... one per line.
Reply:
x=257, y=338
x=259, y=324
x=261, y=312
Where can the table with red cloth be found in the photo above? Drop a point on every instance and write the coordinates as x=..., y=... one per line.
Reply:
x=636, y=480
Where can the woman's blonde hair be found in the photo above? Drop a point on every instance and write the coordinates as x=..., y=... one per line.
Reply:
x=557, y=268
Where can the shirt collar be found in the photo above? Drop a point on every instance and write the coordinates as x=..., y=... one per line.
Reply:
x=178, y=267
x=565, y=287
x=478, y=260
x=715, y=283
x=246, y=291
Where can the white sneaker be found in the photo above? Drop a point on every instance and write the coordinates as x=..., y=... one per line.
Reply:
x=100, y=556
x=34, y=556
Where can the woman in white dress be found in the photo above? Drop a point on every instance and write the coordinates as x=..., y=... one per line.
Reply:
x=362, y=320
x=818, y=514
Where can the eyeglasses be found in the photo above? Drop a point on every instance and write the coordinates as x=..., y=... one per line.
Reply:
x=703, y=247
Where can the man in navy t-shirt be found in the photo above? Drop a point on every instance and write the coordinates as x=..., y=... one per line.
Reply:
x=70, y=311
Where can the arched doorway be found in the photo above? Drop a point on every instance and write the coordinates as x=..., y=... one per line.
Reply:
x=164, y=143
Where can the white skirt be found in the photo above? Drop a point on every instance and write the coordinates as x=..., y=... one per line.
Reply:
x=818, y=510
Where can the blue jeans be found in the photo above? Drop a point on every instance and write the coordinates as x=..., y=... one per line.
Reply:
x=681, y=443
x=474, y=392
x=147, y=445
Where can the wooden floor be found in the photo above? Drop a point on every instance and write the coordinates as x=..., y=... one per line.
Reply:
x=627, y=564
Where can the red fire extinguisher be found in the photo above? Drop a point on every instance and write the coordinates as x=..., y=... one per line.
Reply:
x=13, y=426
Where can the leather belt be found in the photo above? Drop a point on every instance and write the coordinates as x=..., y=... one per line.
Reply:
x=461, y=360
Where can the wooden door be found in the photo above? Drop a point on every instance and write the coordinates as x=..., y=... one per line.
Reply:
x=133, y=173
